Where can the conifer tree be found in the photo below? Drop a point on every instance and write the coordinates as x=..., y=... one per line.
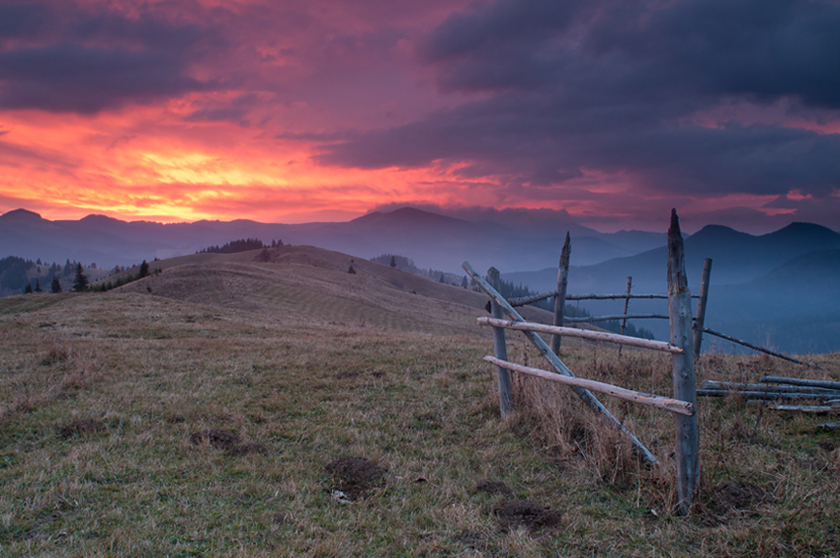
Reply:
x=80, y=283
x=144, y=269
x=56, y=285
x=28, y=288
x=393, y=261
x=38, y=285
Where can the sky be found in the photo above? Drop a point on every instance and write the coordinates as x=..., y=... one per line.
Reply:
x=610, y=112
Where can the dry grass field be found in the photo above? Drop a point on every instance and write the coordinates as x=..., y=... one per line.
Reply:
x=226, y=407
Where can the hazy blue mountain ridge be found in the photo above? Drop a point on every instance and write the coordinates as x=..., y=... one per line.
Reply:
x=432, y=240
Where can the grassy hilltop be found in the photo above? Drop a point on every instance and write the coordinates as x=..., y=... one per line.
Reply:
x=215, y=408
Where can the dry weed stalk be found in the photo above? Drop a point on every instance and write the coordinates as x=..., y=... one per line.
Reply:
x=557, y=419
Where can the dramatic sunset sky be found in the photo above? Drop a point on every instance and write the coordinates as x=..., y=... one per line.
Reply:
x=299, y=110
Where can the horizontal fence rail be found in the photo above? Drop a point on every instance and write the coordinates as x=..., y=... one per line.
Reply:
x=825, y=384
x=777, y=387
x=762, y=395
x=757, y=348
x=673, y=405
x=583, y=334
x=523, y=300
x=586, y=319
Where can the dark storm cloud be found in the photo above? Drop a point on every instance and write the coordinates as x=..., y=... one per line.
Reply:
x=236, y=111
x=20, y=20
x=71, y=78
x=76, y=61
x=615, y=86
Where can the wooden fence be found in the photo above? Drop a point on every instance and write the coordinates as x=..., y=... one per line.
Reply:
x=681, y=348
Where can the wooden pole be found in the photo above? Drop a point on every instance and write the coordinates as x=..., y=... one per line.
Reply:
x=825, y=384
x=560, y=299
x=616, y=296
x=679, y=407
x=617, y=317
x=503, y=376
x=701, y=307
x=626, y=306
x=757, y=348
x=778, y=387
x=583, y=334
x=558, y=365
x=524, y=300
x=682, y=368
x=764, y=395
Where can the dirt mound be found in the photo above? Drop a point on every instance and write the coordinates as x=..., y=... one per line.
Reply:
x=219, y=439
x=245, y=449
x=738, y=495
x=525, y=513
x=494, y=487
x=355, y=476
x=80, y=427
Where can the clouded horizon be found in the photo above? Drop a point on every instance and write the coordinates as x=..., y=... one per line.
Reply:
x=610, y=111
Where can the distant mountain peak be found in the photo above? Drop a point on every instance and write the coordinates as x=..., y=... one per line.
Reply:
x=800, y=227
x=811, y=233
x=20, y=215
x=717, y=233
x=97, y=218
x=406, y=215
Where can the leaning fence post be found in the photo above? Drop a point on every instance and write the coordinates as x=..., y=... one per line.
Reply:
x=560, y=297
x=682, y=367
x=700, y=318
x=503, y=375
x=626, y=306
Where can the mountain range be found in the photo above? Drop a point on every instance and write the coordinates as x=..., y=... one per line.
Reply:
x=776, y=289
x=430, y=239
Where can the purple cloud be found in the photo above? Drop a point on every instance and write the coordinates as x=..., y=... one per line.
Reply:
x=78, y=61
x=616, y=87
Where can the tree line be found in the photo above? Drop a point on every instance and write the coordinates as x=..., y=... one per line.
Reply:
x=242, y=245
x=19, y=275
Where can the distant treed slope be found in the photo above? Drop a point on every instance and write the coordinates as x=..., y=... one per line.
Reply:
x=791, y=304
x=509, y=290
x=17, y=273
x=795, y=306
x=13, y=275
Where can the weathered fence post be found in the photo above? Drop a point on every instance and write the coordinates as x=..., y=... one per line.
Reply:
x=682, y=367
x=700, y=318
x=503, y=375
x=626, y=306
x=560, y=297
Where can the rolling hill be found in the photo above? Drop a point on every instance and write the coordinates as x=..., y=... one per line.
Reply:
x=309, y=285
